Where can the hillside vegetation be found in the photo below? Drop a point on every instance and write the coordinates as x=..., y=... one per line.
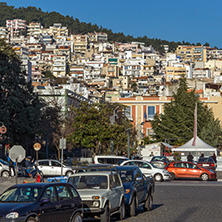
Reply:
x=75, y=26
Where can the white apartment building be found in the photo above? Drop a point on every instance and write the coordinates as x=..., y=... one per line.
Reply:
x=59, y=66
x=58, y=30
x=34, y=29
x=3, y=33
x=16, y=24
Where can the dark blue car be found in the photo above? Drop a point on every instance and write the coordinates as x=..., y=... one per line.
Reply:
x=42, y=202
x=138, y=188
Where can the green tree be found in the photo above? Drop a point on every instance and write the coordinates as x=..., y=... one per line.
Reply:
x=20, y=108
x=212, y=133
x=91, y=126
x=177, y=122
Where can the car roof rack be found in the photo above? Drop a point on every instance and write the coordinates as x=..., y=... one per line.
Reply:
x=92, y=168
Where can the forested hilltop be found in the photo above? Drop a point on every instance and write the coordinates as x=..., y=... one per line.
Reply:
x=75, y=26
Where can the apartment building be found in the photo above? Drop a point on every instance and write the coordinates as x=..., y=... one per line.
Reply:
x=64, y=50
x=189, y=53
x=15, y=26
x=97, y=37
x=120, y=83
x=3, y=33
x=59, y=65
x=58, y=30
x=203, y=73
x=175, y=72
x=34, y=29
x=131, y=68
x=80, y=43
x=77, y=72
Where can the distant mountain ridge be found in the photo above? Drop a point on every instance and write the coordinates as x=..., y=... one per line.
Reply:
x=75, y=26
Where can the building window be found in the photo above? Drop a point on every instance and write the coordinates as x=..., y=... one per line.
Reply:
x=150, y=111
x=128, y=112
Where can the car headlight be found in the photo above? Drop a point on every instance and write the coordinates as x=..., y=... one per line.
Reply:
x=12, y=215
x=95, y=204
x=165, y=171
x=127, y=191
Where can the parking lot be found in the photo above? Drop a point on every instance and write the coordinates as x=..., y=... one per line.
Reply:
x=176, y=201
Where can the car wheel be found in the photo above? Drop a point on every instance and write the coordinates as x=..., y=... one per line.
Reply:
x=172, y=175
x=133, y=207
x=204, y=177
x=31, y=219
x=158, y=177
x=105, y=217
x=149, y=203
x=5, y=174
x=122, y=211
x=69, y=173
x=77, y=218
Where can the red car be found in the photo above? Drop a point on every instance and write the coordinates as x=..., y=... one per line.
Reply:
x=182, y=169
x=207, y=162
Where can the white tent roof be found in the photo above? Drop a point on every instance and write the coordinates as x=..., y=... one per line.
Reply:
x=200, y=144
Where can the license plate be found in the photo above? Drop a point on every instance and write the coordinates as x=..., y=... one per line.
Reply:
x=205, y=165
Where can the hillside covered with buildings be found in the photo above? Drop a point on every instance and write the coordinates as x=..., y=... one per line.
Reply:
x=95, y=66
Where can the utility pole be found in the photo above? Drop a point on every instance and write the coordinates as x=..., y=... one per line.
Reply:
x=128, y=142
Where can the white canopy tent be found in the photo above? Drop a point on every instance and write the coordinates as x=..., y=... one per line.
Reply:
x=199, y=148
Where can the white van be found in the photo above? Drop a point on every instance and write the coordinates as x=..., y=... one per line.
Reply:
x=115, y=160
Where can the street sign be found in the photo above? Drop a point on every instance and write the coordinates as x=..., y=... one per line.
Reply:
x=62, y=144
x=17, y=152
x=37, y=146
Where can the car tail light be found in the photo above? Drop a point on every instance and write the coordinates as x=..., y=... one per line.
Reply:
x=212, y=164
x=164, y=163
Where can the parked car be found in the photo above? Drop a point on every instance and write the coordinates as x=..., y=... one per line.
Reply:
x=148, y=169
x=207, y=162
x=102, y=193
x=53, y=168
x=182, y=169
x=32, y=202
x=4, y=169
x=160, y=161
x=115, y=160
x=138, y=189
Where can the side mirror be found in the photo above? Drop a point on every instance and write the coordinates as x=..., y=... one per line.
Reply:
x=139, y=178
x=44, y=201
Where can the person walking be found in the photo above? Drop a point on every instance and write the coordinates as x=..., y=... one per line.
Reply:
x=11, y=168
x=214, y=157
x=190, y=157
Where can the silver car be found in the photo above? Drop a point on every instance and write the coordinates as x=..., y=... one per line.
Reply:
x=4, y=169
x=102, y=193
x=54, y=168
x=149, y=169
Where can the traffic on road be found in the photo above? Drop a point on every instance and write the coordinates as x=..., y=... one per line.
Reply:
x=99, y=191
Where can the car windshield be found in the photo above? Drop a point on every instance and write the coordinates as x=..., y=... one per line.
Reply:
x=126, y=175
x=158, y=158
x=21, y=194
x=3, y=162
x=205, y=160
x=89, y=182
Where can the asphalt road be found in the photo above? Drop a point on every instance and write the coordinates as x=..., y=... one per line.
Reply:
x=184, y=201
x=175, y=201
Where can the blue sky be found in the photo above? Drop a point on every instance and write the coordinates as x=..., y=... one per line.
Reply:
x=191, y=20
